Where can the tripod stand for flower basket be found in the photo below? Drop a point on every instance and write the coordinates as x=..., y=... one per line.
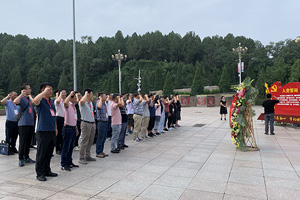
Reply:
x=248, y=132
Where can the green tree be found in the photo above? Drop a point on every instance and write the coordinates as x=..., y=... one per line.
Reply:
x=178, y=81
x=63, y=81
x=145, y=84
x=168, y=86
x=15, y=80
x=197, y=86
x=159, y=79
x=114, y=82
x=295, y=72
x=260, y=83
x=224, y=83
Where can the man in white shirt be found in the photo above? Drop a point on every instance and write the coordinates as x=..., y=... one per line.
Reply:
x=60, y=113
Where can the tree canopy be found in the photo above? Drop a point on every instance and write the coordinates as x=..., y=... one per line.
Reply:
x=189, y=60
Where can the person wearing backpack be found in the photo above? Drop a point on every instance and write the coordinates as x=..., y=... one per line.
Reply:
x=26, y=124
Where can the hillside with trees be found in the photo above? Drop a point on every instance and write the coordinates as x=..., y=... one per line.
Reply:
x=166, y=62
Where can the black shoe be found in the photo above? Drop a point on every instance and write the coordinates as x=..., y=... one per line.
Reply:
x=157, y=133
x=121, y=148
x=41, y=178
x=32, y=147
x=150, y=134
x=51, y=174
x=14, y=150
x=221, y=118
x=21, y=163
x=165, y=129
x=29, y=160
x=266, y=134
x=272, y=134
x=115, y=151
x=125, y=146
x=73, y=165
x=66, y=168
x=225, y=119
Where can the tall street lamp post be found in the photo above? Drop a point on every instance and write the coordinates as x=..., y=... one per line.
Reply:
x=139, y=84
x=74, y=50
x=240, y=50
x=119, y=57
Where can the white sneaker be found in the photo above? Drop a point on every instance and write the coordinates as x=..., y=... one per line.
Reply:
x=76, y=148
x=136, y=140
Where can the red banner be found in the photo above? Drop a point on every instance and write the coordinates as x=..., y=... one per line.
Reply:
x=288, y=109
x=210, y=101
x=185, y=100
x=283, y=118
x=201, y=100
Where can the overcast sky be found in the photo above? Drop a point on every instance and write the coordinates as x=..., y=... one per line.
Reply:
x=263, y=20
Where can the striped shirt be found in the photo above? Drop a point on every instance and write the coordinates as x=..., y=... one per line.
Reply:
x=102, y=113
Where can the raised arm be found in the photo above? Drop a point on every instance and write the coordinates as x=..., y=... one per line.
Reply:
x=151, y=103
x=146, y=98
x=99, y=104
x=67, y=100
x=39, y=97
x=58, y=98
x=276, y=98
x=84, y=98
x=3, y=101
x=140, y=98
x=120, y=102
x=18, y=99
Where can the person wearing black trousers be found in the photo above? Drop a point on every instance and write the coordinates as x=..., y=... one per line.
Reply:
x=60, y=114
x=11, y=124
x=46, y=132
x=167, y=111
x=26, y=124
x=78, y=122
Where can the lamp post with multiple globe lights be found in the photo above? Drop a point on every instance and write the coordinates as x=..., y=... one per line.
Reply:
x=119, y=57
x=240, y=50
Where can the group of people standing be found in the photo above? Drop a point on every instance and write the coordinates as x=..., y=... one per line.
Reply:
x=71, y=121
x=21, y=114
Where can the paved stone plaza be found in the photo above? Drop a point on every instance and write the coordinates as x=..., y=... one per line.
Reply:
x=186, y=163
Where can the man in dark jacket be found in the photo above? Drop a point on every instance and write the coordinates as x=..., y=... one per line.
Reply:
x=269, y=113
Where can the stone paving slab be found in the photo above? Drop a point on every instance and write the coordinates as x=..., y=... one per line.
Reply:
x=186, y=163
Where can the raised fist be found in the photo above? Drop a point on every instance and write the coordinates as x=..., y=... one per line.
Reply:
x=47, y=90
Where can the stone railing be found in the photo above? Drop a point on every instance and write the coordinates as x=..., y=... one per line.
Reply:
x=2, y=112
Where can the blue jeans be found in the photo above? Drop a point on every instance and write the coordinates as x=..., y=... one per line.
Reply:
x=121, y=140
x=102, y=134
x=156, y=124
x=116, y=129
x=269, y=119
x=69, y=136
x=109, y=131
x=161, y=123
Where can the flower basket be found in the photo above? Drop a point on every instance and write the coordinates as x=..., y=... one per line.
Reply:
x=241, y=117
